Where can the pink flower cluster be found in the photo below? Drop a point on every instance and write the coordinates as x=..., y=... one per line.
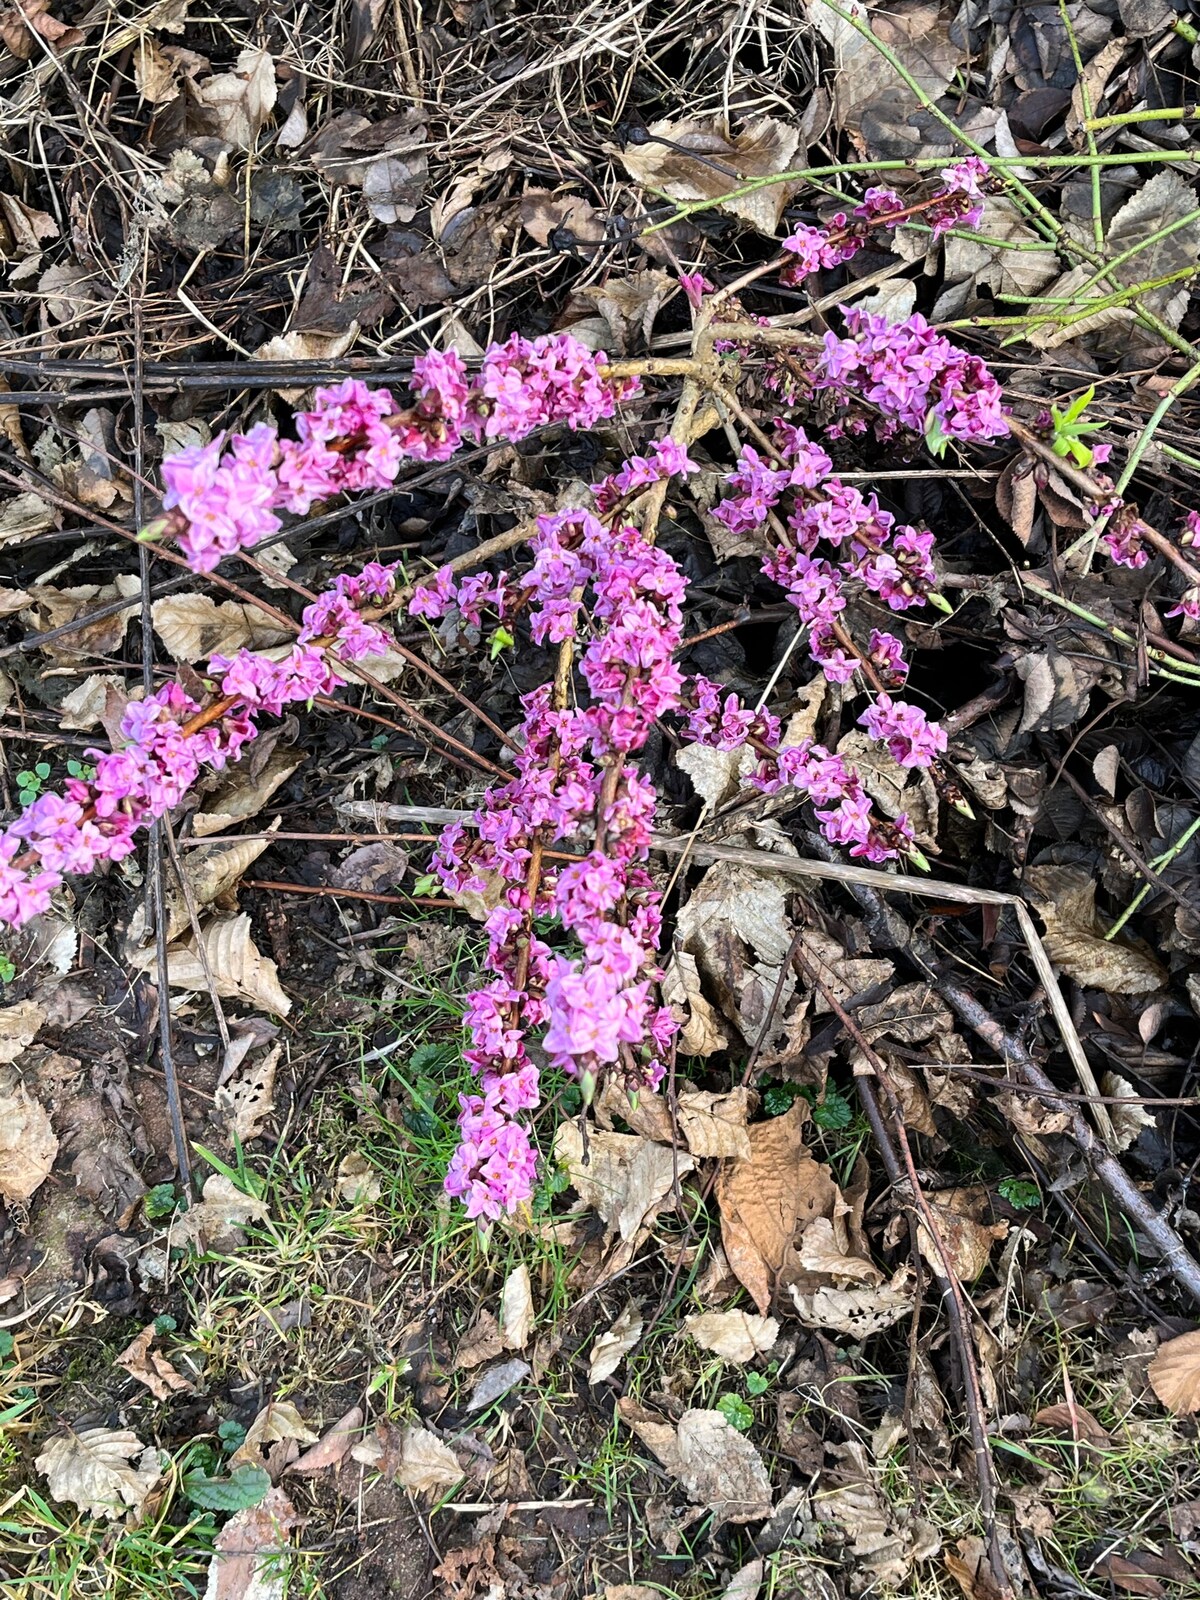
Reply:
x=95, y=820
x=225, y=496
x=834, y=536
x=960, y=202
x=914, y=376
x=597, y=1008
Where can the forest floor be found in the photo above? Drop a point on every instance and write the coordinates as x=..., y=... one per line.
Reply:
x=272, y=1359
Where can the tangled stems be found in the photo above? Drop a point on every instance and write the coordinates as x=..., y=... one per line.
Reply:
x=572, y=944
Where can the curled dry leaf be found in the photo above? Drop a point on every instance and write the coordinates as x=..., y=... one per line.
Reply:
x=357, y=1181
x=715, y=1124
x=765, y=1199
x=733, y=1335
x=23, y=23
x=92, y=702
x=966, y=1237
x=218, y=1215
x=242, y=100
x=710, y=164
x=1175, y=1374
x=27, y=1145
x=239, y=971
x=94, y=1469
x=1129, y=1120
x=496, y=1382
x=333, y=1446
x=194, y=627
x=414, y=1458
x=247, y=1562
x=611, y=1348
x=245, y=792
x=717, y=1466
x=917, y=34
x=516, y=1309
x=480, y=1343
x=1073, y=1421
x=151, y=1367
x=274, y=1438
x=19, y=1025
x=884, y=1541
x=1065, y=899
x=702, y=1033
x=625, y=1178
x=735, y=924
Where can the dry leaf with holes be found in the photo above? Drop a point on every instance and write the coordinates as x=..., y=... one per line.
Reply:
x=194, y=627
x=151, y=1367
x=516, y=1309
x=733, y=1335
x=858, y=1312
x=94, y=1469
x=249, y=1551
x=718, y=1466
x=709, y=164
x=242, y=100
x=238, y=970
x=248, y=1100
x=27, y=1145
x=1065, y=899
x=611, y=1348
x=1175, y=1374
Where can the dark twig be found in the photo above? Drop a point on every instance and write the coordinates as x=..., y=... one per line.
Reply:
x=156, y=884
x=946, y=1277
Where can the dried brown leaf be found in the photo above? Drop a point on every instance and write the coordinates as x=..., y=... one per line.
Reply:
x=715, y=1124
x=1129, y=1120
x=242, y=100
x=766, y=1199
x=702, y=1033
x=194, y=627
x=717, y=1466
x=151, y=1367
x=1174, y=1374
x=249, y=1549
x=24, y=22
x=967, y=1239
x=919, y=36
x=245, y=792
x=1065, y=899
x=333, y=1446
x=516, y=1309
x=611, y=1348
x=19, y=1027
x=239, y=971
x=709, y=164
x=27, y=1145
x=856, y=1313
x=93, y=1469
x=1073, y=1421
x=737, y=1336
x=625, y=1178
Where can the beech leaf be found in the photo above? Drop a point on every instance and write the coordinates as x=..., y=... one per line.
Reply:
x=94, y=1470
